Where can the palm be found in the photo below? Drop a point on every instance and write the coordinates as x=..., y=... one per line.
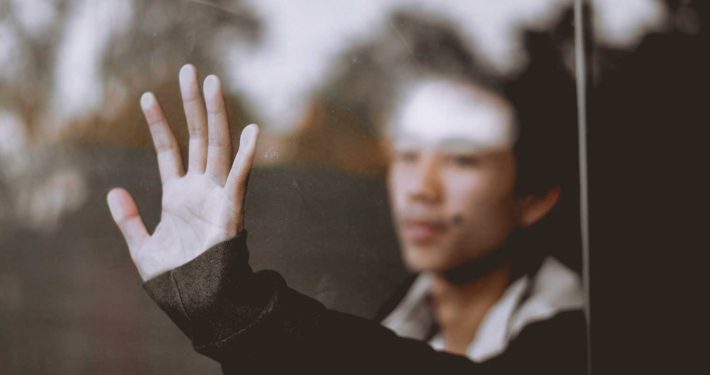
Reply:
x=196, y=215
x=202, y=203
x=200, y=208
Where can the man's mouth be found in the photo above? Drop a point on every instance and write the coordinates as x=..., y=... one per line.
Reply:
x=423, y=230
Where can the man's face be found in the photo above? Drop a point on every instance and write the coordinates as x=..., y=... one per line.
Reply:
x=452, y=175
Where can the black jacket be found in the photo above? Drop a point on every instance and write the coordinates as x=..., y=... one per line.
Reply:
x=252, y=322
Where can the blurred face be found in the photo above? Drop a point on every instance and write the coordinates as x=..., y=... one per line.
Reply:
x=452, y=175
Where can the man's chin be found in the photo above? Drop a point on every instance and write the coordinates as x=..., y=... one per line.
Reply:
x=422, y=259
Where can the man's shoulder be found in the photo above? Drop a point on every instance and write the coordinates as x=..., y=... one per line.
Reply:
x=563, y=325
x=557, y=345
x=560, y=340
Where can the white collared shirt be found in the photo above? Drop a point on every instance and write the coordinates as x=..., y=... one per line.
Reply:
x=554, y=289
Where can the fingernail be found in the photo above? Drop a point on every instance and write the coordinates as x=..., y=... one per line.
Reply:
x=187, y=77
x=147, y=100
x=249, y=132
x=113, y=204
x=211, y=84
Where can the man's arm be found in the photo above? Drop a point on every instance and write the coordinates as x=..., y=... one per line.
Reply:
x=254, y=322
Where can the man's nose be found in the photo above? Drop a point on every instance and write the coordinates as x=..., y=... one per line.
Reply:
x=426, y=183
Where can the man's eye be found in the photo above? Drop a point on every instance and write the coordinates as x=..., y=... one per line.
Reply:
x=463, y=160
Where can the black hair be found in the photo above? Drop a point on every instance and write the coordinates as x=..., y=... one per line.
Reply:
x=541, y=94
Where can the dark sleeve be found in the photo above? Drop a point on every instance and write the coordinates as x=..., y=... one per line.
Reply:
x=252, y=322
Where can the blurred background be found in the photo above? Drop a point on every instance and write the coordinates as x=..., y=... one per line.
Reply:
x=317, y=75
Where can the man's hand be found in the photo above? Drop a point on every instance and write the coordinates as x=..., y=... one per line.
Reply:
x=202, y=207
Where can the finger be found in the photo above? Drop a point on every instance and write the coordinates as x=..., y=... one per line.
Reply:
x=219, y=148
x=125, y=213
x=196, y=119
x=169, y=160
x=237, y=181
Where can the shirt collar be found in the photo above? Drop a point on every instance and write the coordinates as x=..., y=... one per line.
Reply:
x=553, y=289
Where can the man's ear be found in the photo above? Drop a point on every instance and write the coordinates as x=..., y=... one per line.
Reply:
x=535, y=207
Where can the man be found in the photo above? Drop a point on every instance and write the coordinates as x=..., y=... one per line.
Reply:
x=463, y=193
x=457, y=208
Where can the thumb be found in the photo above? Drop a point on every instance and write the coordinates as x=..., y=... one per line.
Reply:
x=125, y=213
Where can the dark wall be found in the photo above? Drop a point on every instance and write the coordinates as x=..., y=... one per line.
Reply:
x=648, y=162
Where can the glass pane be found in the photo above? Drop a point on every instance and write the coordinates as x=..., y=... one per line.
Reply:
x=397, y=137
